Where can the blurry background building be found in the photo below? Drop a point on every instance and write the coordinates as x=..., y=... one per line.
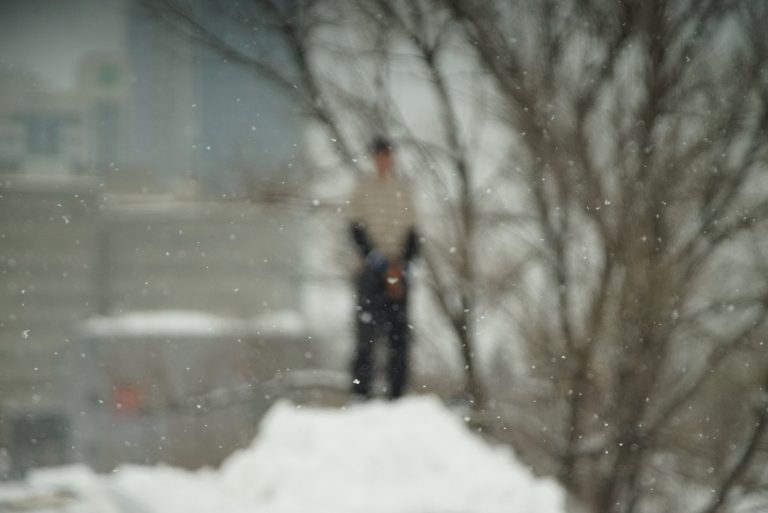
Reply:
x=128, y=189
x=199, y=120
x=41, y=131
x=103, y=86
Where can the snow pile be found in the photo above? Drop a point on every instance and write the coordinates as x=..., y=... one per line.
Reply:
x=412, y=456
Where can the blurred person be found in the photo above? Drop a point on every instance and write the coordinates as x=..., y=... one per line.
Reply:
x=382, y=220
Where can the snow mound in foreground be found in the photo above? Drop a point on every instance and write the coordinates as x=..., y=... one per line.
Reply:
x=412, y=456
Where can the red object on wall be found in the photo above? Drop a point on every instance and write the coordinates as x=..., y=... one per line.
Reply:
x=127, y=398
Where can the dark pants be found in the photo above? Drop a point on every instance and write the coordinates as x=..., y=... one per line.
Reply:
x=378, y=316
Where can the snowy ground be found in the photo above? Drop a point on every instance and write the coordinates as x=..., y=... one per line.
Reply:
x=413, y=456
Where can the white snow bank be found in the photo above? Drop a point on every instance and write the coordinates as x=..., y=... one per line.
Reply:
x=413, y=456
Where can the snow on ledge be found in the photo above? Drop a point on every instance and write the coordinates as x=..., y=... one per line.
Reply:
x=280, y=322
x=160, y=323
x=171, y=323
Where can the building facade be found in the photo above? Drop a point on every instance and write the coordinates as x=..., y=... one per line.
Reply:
x=81, y=131
x=97, y=219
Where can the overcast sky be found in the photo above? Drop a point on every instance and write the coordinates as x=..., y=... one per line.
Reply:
x=49, y=36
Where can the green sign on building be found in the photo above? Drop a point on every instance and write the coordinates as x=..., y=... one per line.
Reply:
x=108, y=74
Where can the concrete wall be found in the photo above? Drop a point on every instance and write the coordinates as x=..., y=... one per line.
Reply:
x=231, y=259
x=187, y=398
x=68, y=252
x=47, y=255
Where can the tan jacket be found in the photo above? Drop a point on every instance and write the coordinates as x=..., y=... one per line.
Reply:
x=385, y=209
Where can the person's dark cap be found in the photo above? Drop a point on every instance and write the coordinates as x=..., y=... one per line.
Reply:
x=381, y=144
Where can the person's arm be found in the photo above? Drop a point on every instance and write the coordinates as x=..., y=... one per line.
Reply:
x=411, y=247
x=373, y=257
x=360, y=236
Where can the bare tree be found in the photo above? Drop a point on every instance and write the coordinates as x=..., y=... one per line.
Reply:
x=643, y=131
x=631, y=140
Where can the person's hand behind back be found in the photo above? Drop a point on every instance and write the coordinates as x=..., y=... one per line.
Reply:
x=393, y=281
